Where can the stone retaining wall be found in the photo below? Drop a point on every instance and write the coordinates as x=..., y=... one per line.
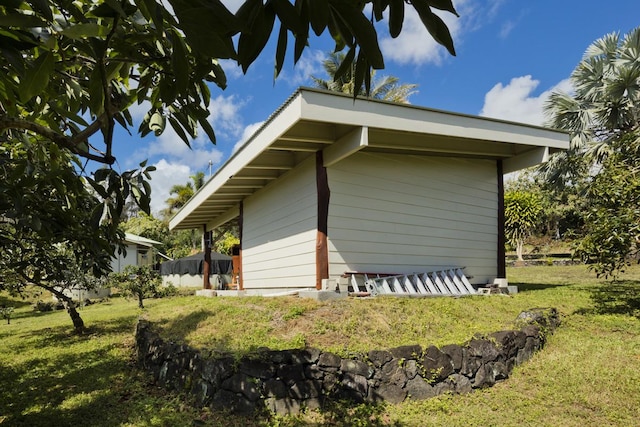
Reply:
x=285, y=381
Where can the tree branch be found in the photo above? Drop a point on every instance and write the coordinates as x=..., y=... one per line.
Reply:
x=69, y=142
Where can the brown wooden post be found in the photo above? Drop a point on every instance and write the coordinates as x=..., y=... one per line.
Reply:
x=240, y=226
x=322, y=249
x=502, y=263
x=207, y=258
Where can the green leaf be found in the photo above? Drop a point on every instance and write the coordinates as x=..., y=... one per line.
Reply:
x=20, y=20
x=42, y=7
x=361, y=70
x=180, y=62
x=37, y=76
x=206, y=126
x=288, y=15
x=435, y=25
x=251, y=43
x=396, y=17
x=178, y=129
x=318, y=15
x=281, y=50
x=443, y=5
x=83, y=31
x=362, y=29
x=345, y=65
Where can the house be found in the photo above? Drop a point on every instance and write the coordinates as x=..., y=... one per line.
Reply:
x=139, y=252
x=330, y=185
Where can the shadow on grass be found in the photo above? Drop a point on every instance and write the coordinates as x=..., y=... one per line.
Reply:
x=621, y=297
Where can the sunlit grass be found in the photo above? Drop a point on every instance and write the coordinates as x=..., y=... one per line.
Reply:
x=587, y=375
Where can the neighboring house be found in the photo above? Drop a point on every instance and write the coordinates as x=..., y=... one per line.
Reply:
x=140, y=251
x=330, y=185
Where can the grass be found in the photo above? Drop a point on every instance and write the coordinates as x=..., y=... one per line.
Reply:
x=588, y=374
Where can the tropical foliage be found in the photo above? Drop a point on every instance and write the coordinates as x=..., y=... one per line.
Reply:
x=387, y=88
x=605, y=104
x=521, y=212
x=138, y=281
x=603, y=116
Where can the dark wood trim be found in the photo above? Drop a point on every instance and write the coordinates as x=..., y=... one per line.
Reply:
x=502, y=264
x=206, y=268
x=322, y=249
x=240, y=223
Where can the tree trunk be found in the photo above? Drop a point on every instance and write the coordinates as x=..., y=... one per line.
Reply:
x=140, y=297
x=519, y=249
x=78, y=323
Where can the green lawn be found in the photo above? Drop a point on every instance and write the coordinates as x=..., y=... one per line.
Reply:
x=588, y=375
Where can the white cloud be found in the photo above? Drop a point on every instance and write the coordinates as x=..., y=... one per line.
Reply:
x=506, y=29
x=310, y=63
x=225, y=115
x=166, y=175
x=415, y=45
x=516, y=101
x=246, y=134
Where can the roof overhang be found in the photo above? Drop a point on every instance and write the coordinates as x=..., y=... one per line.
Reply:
x=312, y=120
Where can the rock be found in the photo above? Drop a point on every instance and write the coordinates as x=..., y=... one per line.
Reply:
x=305, y=356
x=406, y=352
x=275, y=388
x=291, y=374
x=461, y=384
x=257, y=368
x=285, y=406
x=356, y=367
x=436, y=364
x=356, y=383
x=232, y=402
x=410, y=368
x=419, y=389
x=483, y=349
x=329, y=360
x=388, y=393
x=484, y=377
x=455, y=353
x=393, y=373
x=303, y=390
x=242, y=383
x=379, y=357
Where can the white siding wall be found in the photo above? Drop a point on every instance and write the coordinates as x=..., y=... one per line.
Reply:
x=279, y=232
x=121, y=261
x=404, y=214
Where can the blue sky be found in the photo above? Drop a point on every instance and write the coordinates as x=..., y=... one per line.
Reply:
x=510, y=55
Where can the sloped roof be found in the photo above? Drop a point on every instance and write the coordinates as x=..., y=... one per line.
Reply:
x=312, y=120
x=139, y=240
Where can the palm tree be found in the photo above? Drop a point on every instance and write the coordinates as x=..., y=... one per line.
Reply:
x=181, y=193
x=606, y=103
x=387, y=88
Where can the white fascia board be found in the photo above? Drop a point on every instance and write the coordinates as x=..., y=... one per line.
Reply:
x=530, y=158
x=347, y=145
x=286, y=118
x=407, y=118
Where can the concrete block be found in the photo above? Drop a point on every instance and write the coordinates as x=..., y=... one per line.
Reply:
x=321, y=295
x=209, y=293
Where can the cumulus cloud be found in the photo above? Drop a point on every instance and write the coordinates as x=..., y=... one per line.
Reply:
x=517, y=102
x=246, y=134
x=310, y=64
x=166, y=175
x=415, y=45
